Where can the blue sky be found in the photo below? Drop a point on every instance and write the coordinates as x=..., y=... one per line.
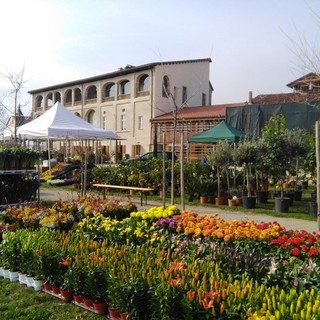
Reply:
x=248, y=40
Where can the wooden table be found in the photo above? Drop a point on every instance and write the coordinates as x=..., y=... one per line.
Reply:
x=143, y=191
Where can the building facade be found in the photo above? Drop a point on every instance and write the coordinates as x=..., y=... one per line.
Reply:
x=126, y=100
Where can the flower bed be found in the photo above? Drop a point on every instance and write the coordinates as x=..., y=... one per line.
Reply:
x=163, y=264
x=62, y=214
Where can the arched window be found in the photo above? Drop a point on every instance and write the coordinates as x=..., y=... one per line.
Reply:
x=39, y=101
x=92, y=93
x=124, y=87
x=49, y=100
x=144, y=83
x=77, y=94
x=165, y=86
x=92, y=117
x=68, y=97
x=57, y=97
x=109, y=90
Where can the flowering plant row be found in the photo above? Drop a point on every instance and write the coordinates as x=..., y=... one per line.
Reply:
x=62, y=214
x=163, y=264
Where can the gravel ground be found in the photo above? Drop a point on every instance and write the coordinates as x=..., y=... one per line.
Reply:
x=288, y=223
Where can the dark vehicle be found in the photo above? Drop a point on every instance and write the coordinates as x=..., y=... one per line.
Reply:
x=149, y=155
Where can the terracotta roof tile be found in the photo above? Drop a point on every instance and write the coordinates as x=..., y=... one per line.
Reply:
x=285, y=98
x=202, y=112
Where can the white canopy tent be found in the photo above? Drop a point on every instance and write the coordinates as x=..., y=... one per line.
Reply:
x=57, y=123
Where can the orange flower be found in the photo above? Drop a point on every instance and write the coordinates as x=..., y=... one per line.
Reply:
x=65, y=261
x=174, y=282
x=190, y=295
x=207, y=304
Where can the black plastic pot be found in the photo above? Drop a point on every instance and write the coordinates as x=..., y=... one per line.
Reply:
x=262, y=196
x=249, y=202
x=313, y=208
x=289, y=195
x=282, y=204
x=297, y=195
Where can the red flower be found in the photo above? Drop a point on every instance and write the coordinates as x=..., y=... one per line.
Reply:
x=304, y=248
x=313, y=252
x=296, y=241
x=295, y=252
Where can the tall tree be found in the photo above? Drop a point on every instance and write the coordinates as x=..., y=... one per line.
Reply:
x=306, y=50
x=10, y=98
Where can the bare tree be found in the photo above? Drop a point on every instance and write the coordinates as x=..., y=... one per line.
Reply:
x=306, y=50
x=10, y=97
x=175, y=110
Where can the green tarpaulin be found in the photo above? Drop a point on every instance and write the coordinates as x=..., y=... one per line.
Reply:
x=251, y=119
x=221, y=132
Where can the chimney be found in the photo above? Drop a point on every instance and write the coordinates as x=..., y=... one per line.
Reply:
x=250, y=97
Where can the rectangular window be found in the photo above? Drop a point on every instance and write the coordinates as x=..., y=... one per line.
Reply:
x=184, y=94
x=104, y=123
x=204, y=100
x=123, y=124
x=140, y=122
x=175, y=90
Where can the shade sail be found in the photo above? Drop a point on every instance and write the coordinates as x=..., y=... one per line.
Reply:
x=59, y=122
x=221, y=132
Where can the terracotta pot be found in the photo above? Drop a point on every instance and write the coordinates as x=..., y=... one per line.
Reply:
x=232, y=202
x=56, y=290
x=114, y=314
x=66, y=295
x=219, y=201
x=124, y=316
x=100, y=307
x=47, y=286
x=78, y=298
x=203, y=199
x=88, y=302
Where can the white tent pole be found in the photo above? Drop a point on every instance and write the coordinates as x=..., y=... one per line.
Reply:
x=49, y=156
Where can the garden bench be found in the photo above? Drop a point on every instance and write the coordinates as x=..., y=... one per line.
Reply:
x=143, y=191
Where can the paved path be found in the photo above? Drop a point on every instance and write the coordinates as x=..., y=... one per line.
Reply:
x=288, y=223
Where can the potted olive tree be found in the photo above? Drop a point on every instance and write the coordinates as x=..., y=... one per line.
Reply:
x=261, y=172
x=277, y=156
x=221, y=158
x=245, y=156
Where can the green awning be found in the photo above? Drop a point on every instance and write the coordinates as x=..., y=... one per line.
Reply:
x=221, y=132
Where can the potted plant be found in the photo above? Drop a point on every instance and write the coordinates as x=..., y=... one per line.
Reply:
x=220, y=158
x=245, y=155
x=190, y=180
x=66, y=286
x=282, y=145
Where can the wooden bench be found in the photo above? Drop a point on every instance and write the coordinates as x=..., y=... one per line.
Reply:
x=143, y=191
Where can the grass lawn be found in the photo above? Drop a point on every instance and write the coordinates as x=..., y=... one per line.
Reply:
x=17, y=302
x=300, y=209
